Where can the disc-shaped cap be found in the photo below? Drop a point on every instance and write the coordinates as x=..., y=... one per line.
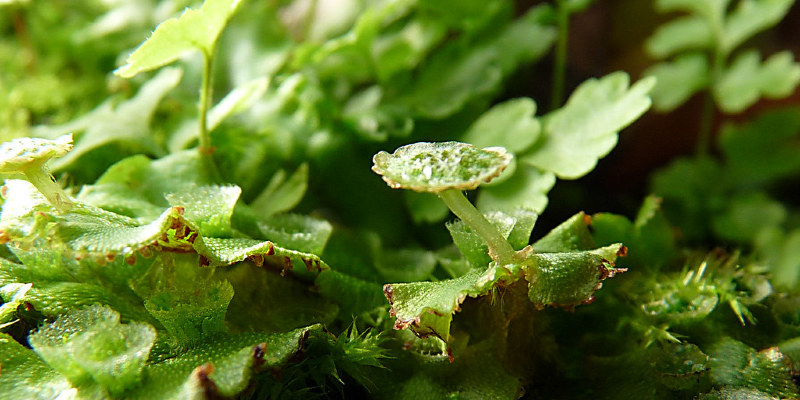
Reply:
x=435, y=167
x=16, y=154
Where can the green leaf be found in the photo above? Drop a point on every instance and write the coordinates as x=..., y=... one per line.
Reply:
x=435, y=167
x=451, y=78
x=780, y=250
x=649, y=238
x=571, y=235
x=25, y=375
x=236, y=101
x=527, y=188
x=728, y=393
x=750, y=17
x=678, y=80
x=763, y=150
x=746, y=215
x=207, y=207
x=193, y=30
x=735, y=364
x=127, y=124
x=565, y=277
x=88, y=230
x=91, y=345
x=191, y=316
x=297, y=231
x=709, y=9
x=575, y=6
x=282, y=193
x=425, y=207
x=405, y=265
x=747, y=80
x=679, y=35
x=585, y=129
x=223, y=366
x=509, y=124
x=569, y=279
x=515, y=226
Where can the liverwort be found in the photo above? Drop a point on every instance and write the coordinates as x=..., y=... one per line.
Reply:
x=28, y=157
x=447, y=169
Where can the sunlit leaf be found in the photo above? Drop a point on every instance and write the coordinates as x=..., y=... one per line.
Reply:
x=176, y=36
x=748, y=79
x=585, y=129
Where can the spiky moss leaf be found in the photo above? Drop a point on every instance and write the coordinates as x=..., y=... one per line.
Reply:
x=679, y=35
x=748, y=79
x=515, y=226
x=295, y=231
x=26, y=376
x=678, y=80
x=91, y=346
x=734, y=364
x=127, y=124
x=436, y=167
x=191, y=316
x=175, y=36
x=510, y=124
x=577, y=135
x=88, y=230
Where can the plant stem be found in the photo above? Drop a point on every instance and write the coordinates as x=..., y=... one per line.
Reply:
x=718, y=61
x=206, y=149
x=560, y=62
x=706, y=125
x=499, y=248
x=41, y=178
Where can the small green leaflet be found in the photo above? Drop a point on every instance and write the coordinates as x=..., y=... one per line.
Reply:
x=678, y=80
x=585, y=129
x=748, y=79
x=176, y=36
x=127, y=124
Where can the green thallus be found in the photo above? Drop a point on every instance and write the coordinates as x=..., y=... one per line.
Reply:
x=446, y=169
x=28, y=157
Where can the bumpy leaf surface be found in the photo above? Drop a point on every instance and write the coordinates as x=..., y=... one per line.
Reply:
x=566, y=277
x=436, y=167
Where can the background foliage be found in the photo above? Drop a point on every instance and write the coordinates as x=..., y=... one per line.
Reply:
x=216, y=230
